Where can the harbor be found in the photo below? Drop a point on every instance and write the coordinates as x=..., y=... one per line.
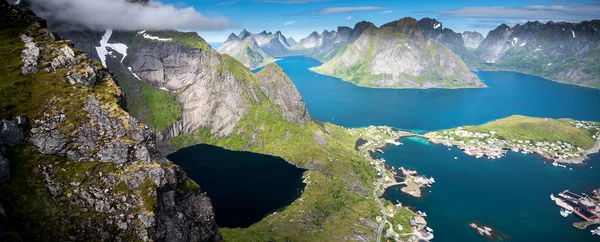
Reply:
x=585, y=207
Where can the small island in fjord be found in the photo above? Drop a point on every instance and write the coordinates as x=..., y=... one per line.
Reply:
x=561, y=140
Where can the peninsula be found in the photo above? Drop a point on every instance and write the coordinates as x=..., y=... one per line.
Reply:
x=561, y=140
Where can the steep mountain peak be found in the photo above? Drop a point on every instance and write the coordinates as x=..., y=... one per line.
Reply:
x=280, y=89
x=431, y=22
x=291, y=41
x=233, y=37
x=278, y=33
x=314, y=34
x=472, y=39
x=264, y=32
x=244, y=34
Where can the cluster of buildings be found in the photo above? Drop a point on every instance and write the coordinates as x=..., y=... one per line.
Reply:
x=582, y=205
x=489, y=145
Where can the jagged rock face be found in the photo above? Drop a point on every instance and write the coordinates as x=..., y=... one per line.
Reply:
x=472, y=39
x=90, y=157
x=312, y=41
x=565, y=52
x=247, y=52
x=495, y=44
x=280, y=89
x=255, y=50
x=211, y=98
x=291, y=41
x=435, y=30
x=399, y=55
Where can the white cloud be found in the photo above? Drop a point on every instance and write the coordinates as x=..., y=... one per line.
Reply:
x=123, y=15
x=289, y=22
x=346, y=9
x=348, y=18
x=573, y=12
x=387, y=11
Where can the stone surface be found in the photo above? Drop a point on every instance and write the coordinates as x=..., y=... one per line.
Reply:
x=11, y=133
x=280, y=89
x=30, y=56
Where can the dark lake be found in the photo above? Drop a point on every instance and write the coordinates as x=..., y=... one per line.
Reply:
x=244, y=187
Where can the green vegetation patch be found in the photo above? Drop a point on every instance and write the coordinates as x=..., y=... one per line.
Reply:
x=518, y=127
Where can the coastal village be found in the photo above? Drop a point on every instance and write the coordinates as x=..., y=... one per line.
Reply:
x=492, y=145
x=582, y=205
x=371, y=142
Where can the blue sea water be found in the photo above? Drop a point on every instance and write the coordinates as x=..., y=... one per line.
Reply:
x=510, y=194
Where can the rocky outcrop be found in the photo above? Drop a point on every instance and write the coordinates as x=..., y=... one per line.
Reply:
x=399, y=55
x=561, y=51
x=11, y=134
x=472, y=39
x=280, y=89
x=435, y=30
x=211, y=95
x=87, y=166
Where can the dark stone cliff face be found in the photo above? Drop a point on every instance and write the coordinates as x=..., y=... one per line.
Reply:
x=79, y=167
x=561, y=51
x=280, y=89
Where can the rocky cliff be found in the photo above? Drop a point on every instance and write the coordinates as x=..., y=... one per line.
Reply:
x=280, y=89
x=560, y=51
x=81, y=168
x=452, y=40
x=399, y=54
x=472, y=39
x=256, y=50
x=247, y=51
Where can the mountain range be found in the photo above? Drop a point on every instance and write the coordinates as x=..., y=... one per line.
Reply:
x=561, y=51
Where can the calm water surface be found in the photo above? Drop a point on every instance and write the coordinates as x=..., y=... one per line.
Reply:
x=512, y=193
x=244, y=187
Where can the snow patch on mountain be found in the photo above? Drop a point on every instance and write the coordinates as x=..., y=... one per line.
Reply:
x=104, y=49
x=147, y=36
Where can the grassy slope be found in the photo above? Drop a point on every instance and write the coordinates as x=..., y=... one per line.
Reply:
x=518, y=127
x=328, y=209
x=33, y=212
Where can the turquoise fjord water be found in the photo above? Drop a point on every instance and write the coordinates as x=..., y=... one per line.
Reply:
x=510, y=194
x=244, y=187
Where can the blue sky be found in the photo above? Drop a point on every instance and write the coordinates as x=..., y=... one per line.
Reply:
x=297, y=18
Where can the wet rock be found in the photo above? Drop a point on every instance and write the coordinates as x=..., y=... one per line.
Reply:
x=30, y=56
x=11, y=133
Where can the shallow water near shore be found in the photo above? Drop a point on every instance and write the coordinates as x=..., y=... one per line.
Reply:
x=510, y=194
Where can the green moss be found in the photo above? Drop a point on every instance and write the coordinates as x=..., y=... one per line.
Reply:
x=148, y=191
x=189, y=186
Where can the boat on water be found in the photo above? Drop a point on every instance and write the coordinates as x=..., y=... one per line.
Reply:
x=456, y=158
x=565, y=213
x=555, y=163
x=596, y=231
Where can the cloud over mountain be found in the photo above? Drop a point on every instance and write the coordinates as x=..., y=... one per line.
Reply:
x=124, y=15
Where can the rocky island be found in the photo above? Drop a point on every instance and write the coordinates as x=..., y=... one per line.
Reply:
x=561, y=140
